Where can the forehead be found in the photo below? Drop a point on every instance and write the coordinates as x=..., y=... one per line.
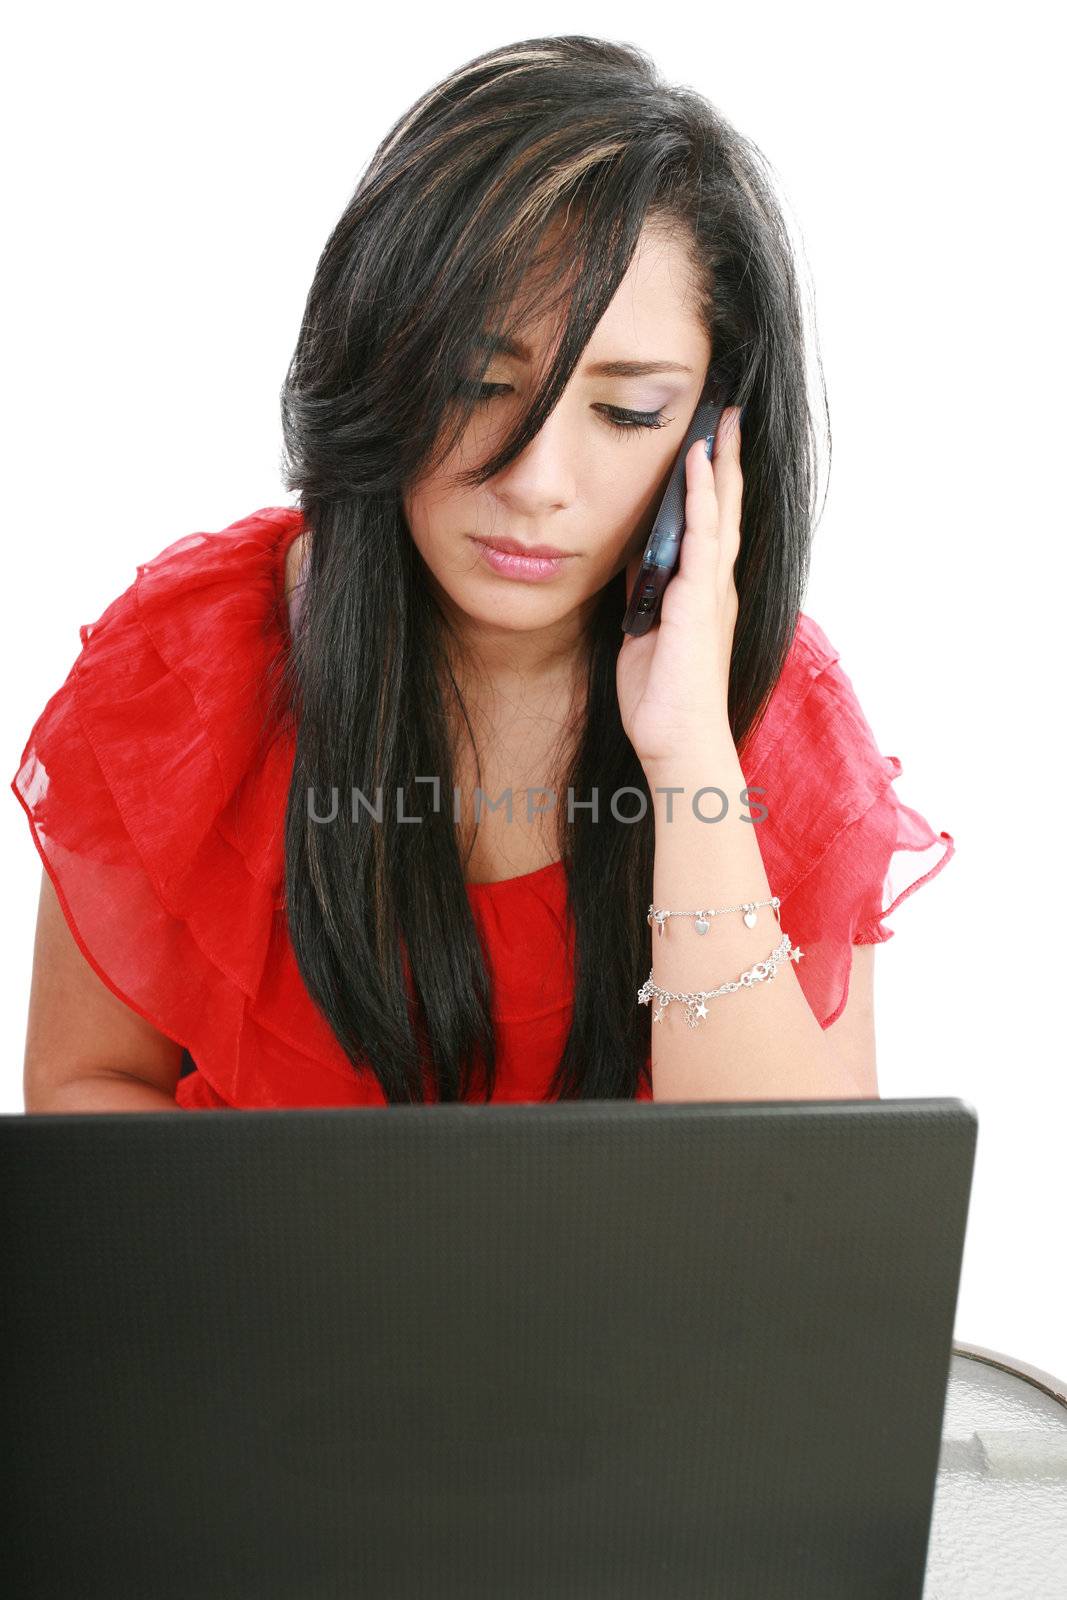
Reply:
x=654, y=313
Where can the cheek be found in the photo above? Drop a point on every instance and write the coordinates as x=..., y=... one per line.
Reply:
x=628, y=511
x=425, y=510
x=435, y=519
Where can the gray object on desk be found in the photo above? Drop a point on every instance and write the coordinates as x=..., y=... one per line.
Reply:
x=999, y=1528
x=527, y=1352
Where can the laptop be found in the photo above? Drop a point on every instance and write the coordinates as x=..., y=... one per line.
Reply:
x=523, y=1351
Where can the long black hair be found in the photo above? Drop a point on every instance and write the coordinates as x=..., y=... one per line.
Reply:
x=552, y=152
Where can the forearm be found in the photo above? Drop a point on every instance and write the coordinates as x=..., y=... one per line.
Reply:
x=762, y=1042
x=104, y=1092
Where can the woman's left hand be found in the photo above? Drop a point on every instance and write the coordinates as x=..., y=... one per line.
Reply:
x=673, y=681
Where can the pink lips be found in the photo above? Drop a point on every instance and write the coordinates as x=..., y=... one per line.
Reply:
x=503, y=557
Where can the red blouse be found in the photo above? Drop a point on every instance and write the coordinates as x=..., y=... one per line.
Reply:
x=158, y=815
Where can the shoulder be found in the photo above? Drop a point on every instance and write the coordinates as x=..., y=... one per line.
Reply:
x=294, y=558
x=810, y=658
x=246, y=558
x=162, y=715
x=814, y=712
x=811, y=647
x=197, y=593
x=814, y=756
x=294, y=578
x=216, y=576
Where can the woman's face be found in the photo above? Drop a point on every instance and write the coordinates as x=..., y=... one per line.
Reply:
x=589, y=483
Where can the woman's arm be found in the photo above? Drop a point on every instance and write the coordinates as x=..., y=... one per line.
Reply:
x=852, y=1034
x=760, y=1043
x=85, y=1049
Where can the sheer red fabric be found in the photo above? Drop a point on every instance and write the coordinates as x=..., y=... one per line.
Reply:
x=157, y=809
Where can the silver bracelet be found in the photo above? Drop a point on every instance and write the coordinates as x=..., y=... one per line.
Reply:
x=695, y=1007
x=703, y=918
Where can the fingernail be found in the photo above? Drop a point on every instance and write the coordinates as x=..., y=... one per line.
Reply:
x=709, y=443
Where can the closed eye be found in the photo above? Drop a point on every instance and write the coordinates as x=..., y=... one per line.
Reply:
x=617, y=417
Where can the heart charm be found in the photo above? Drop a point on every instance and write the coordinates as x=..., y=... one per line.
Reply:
x=702, y=924
x=750, y=917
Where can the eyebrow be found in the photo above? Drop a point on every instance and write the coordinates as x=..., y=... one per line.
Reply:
x=501, y=344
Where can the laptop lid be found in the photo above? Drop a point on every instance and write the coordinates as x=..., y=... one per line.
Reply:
x=580, y=1349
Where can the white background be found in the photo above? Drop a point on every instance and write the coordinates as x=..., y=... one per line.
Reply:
x=171, y=175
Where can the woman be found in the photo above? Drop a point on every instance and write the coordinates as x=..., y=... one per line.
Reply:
x=552, y=258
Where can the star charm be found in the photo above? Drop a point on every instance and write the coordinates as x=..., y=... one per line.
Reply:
x=657, y=1014
x=702, y=1010
x=796, y=953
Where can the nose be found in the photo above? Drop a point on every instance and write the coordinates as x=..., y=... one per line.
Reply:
x=541, y=479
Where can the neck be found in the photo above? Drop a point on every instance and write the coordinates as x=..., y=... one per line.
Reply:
x=491, y=663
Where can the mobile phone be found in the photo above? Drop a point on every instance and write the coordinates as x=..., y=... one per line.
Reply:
x=661, y=553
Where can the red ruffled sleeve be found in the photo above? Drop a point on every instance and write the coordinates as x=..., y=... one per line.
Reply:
x=840, y=848
x=156, y=795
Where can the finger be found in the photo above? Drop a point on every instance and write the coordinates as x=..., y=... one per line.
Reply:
x=727, y=474
x=699, y=555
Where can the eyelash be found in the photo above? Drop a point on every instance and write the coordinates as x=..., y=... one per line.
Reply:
x=636, y=420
